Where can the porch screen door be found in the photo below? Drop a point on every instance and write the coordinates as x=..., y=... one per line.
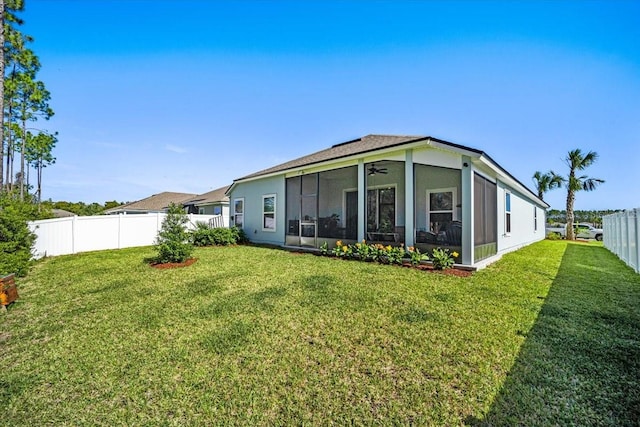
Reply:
x=302, y=210
x=309, y=210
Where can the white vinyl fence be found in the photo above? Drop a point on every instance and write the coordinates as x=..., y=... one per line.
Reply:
x=622, y=236
x=62, y=236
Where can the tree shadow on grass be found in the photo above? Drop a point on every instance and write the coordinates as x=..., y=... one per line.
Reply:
x=580, y=363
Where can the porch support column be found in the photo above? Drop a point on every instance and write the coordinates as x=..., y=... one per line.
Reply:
x=467, y=211
x=362, y=197
x=409, y=199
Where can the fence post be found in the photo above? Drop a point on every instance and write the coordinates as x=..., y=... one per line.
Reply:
x=620, y=246
x=119, y=231
x=73, y=233
x=630, y=237
x=636, y=215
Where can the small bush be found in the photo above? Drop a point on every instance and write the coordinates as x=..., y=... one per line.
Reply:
x=173, y=243
x=554, y=236
x=415, y=256
x=223, y=236
x=204, y=235
x=239, y=235
x=201, y=235
x=442, y=259
x=16, y=239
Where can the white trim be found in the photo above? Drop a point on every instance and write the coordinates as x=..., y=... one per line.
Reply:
x=507, y=212
x=454, y=202
x=482, y=174
x=268, y=196
x=344, y=202
x=395, y=202
x=236, y=214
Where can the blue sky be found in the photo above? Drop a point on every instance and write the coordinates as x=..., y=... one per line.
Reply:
x=159, y=95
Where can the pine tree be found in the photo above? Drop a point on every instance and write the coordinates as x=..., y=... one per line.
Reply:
x=173, y=243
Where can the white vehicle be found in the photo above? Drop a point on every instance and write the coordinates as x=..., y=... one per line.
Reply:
x=582, y=231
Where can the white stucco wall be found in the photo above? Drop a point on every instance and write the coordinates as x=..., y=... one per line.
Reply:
x=523, y=230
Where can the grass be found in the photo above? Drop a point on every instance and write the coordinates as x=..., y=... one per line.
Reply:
x=256, y=336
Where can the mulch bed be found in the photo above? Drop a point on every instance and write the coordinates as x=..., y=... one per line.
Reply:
x=422, y=267
x=448, y=272
x=168, y=265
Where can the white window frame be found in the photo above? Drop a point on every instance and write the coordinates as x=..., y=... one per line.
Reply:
x=454, y=203
x=395, y=201
x=238, y=214
x=264, y=197
x=507, y=213
x=200, y=210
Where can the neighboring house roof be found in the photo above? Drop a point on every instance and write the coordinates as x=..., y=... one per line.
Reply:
x=212, y=197
x=371, y=143
x=156, y=203
x=61, y=213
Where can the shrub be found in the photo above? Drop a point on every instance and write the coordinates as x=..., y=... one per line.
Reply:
x=239, y=235
x=553, y=236
x=223, y=236
x=203, y=235
x=442, y=259
x=173, y=243
x=415, y=256
x=16, y=239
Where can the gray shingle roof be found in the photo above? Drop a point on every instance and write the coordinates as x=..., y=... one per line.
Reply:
x=345, y=149
x=214, y=196
x=157, y=202
x=371, y=143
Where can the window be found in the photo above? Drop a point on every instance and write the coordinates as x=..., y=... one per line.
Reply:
x=507, y=213
x=217, y=210
x=381, y=210
x=200, y=211
x=440, y=209
x=269, y=212
x=535, y=219
x=238, y=213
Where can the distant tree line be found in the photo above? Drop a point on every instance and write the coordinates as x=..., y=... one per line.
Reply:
x=79, y=208
x=593, y=217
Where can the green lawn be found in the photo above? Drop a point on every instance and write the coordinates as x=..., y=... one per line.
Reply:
x=254, y=336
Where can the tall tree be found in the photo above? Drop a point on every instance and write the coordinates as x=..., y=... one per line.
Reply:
x=2, y=20
x=34, y=103
x=577, y=161
x=8, y=21
x=547, y=181
x=39, y=149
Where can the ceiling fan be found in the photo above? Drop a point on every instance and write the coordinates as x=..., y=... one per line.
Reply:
x=374, y=170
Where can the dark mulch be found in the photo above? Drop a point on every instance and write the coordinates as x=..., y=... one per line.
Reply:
x=167, y=265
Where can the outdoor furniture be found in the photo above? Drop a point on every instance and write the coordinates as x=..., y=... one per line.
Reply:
x=8, y=290
x=383, y=237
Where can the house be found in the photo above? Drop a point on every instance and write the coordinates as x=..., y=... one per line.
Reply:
x=413, y=190
x=215, y=202
x=153, y=204
x=61, y=213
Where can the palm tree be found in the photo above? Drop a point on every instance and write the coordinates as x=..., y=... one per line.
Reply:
x=578, y=162
x=547, y=181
